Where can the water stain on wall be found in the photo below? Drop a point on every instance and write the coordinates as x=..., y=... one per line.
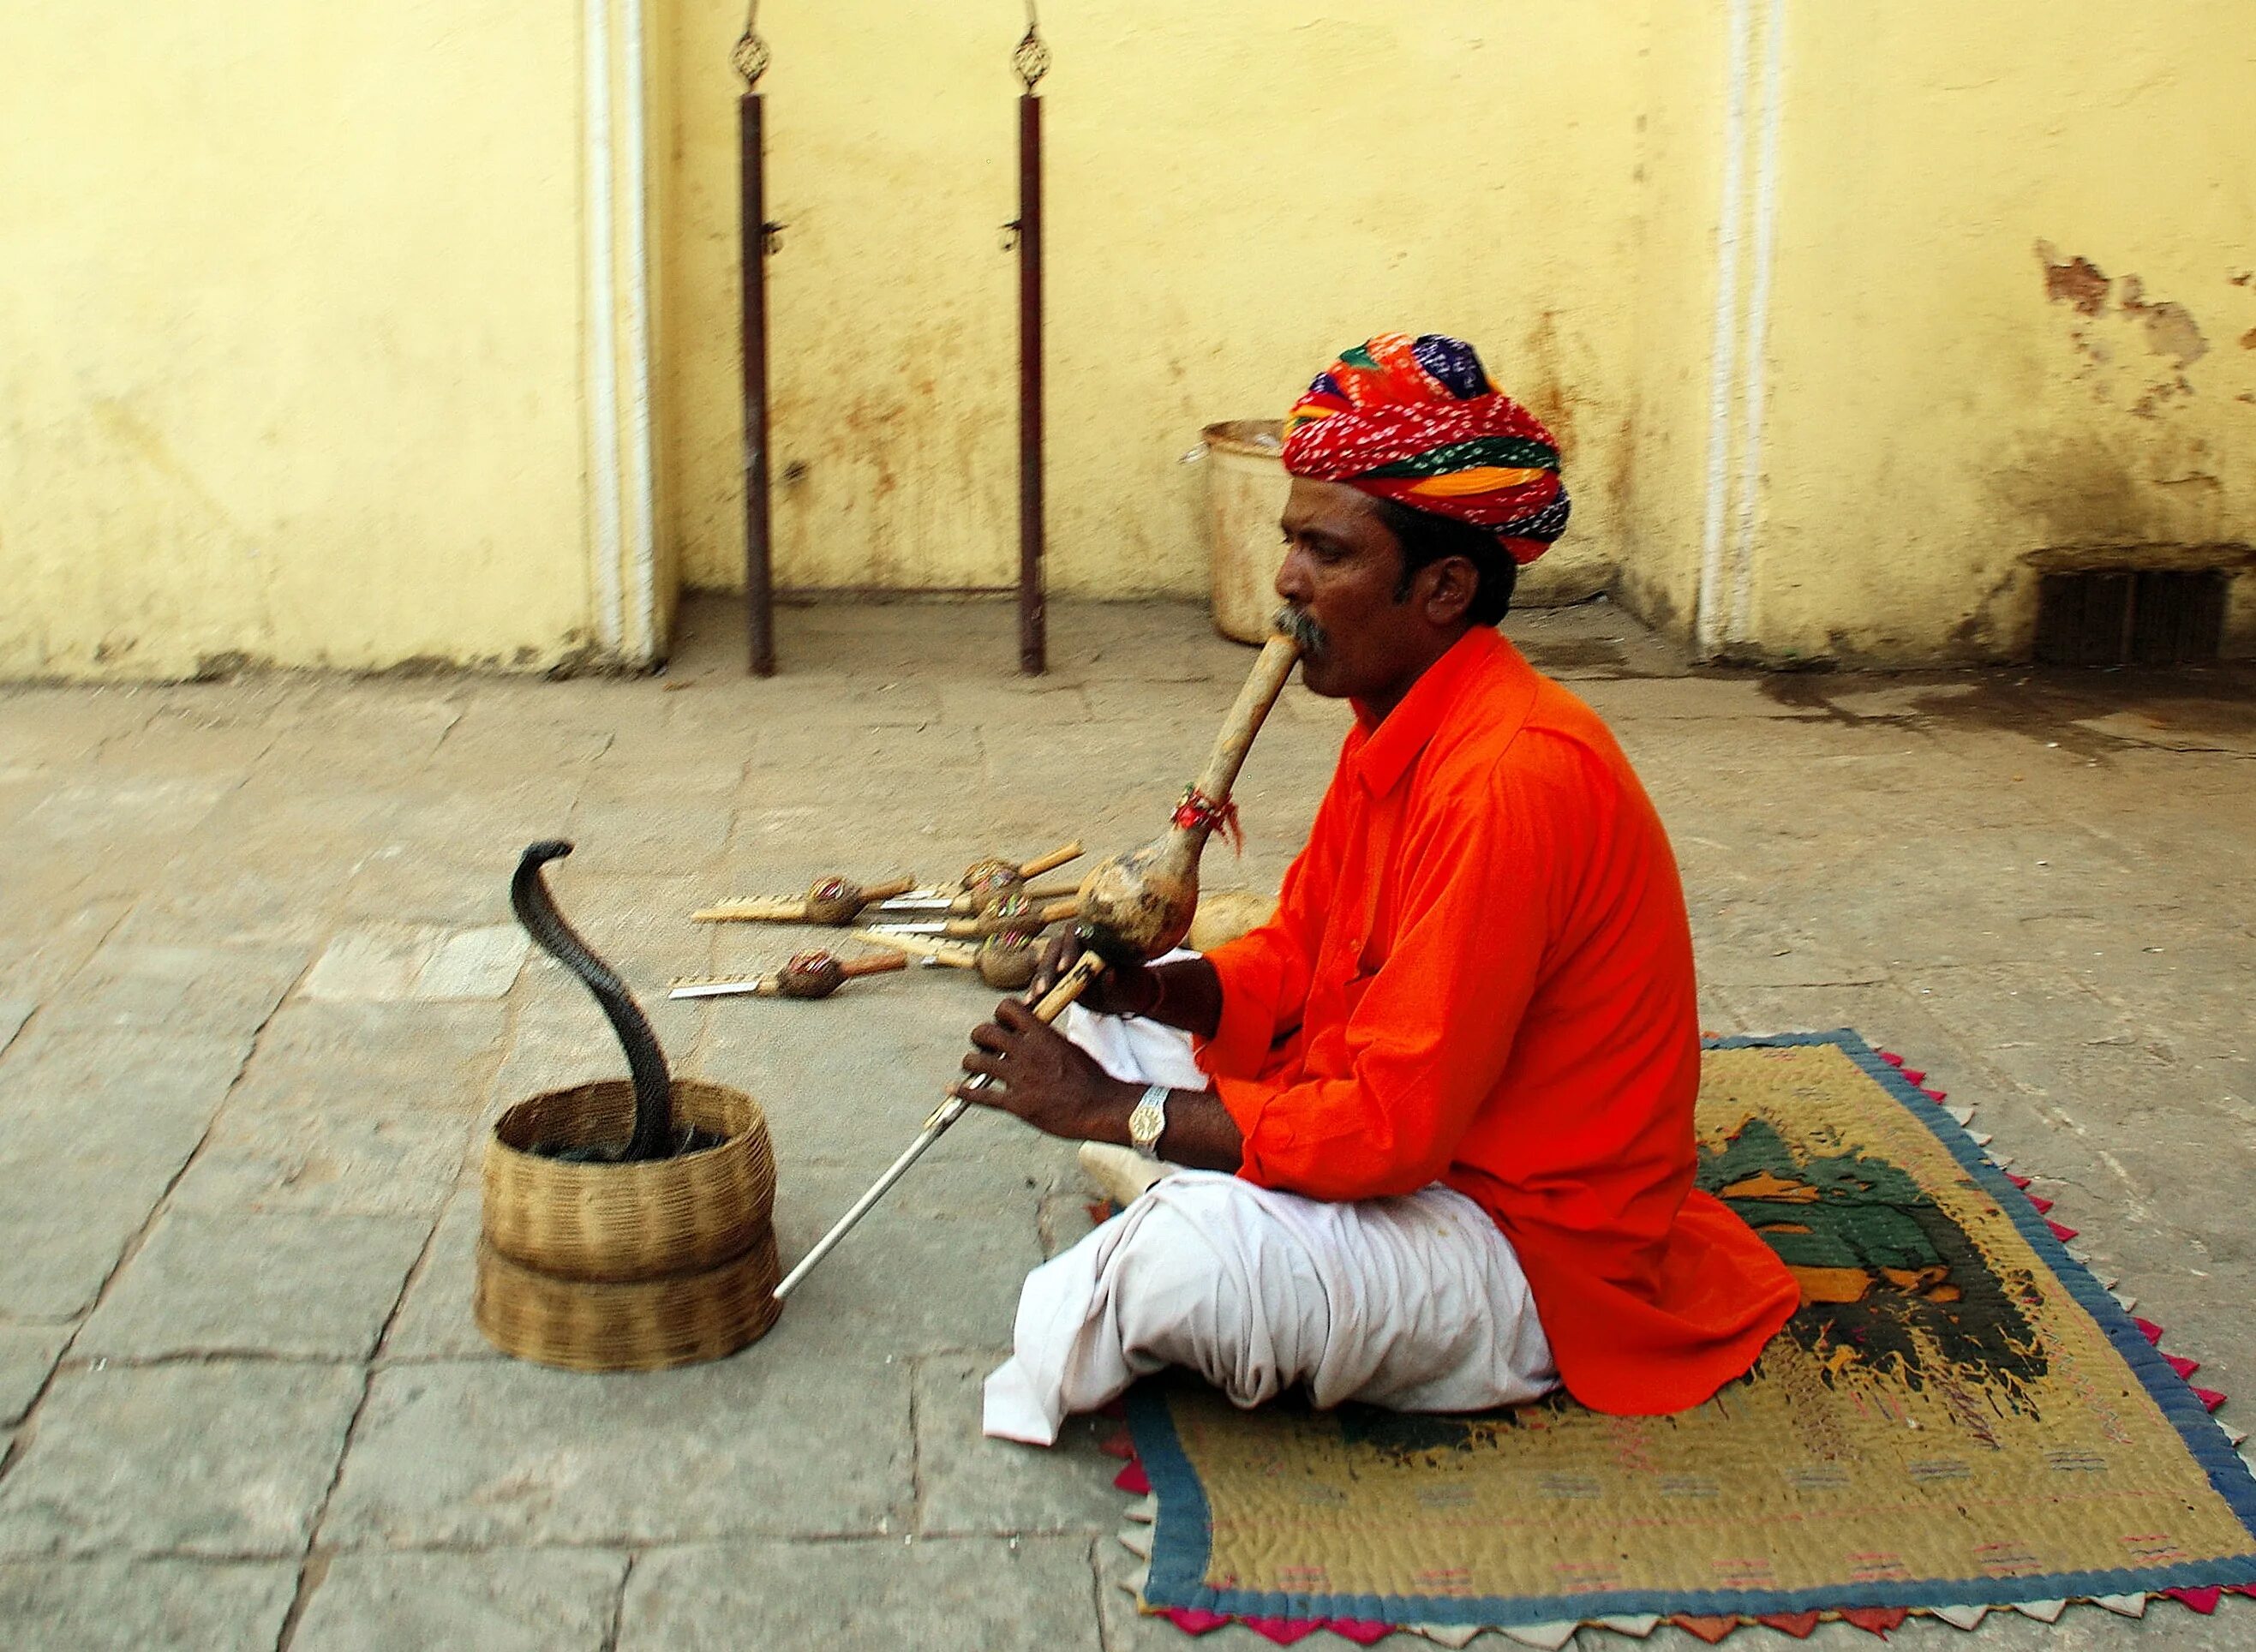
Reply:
x=2171, y=329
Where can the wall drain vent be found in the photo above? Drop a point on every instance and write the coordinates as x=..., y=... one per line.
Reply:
x=2118, y=617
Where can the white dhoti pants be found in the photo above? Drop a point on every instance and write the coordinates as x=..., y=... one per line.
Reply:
x=1416, y=1302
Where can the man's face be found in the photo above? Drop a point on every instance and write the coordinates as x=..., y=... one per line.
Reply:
x=1342, y=569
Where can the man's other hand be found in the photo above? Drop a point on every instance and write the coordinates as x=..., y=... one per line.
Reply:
x=1131, y=989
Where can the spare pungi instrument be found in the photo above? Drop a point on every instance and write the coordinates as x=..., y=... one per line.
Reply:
x=804, y=975
x=919, y=906
x=985, y=882
x=624, y=1225
x=992, y=875
x=1004, y=961
x=1133, y=907
x=837, y=901
x=1014, y=914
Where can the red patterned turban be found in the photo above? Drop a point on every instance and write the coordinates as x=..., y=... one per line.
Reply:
x=1418, y=421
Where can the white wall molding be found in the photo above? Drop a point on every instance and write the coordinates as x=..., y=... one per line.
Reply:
x=622, y=540
x=1746, y=240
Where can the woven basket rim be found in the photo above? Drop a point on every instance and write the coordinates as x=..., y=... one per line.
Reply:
x=624, y=1089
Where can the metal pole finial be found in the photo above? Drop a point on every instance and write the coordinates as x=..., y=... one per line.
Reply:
x=750, y=57
x=1031, y=57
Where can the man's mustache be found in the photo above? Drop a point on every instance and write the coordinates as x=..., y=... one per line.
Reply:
x=1303, y=630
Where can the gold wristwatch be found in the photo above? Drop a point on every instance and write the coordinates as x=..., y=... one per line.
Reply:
x=1149, y=1120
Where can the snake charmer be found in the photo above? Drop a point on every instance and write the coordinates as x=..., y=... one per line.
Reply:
x=1425, y=1138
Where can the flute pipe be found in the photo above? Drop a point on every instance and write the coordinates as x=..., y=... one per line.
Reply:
x=1262, y=686
x=1071, y=985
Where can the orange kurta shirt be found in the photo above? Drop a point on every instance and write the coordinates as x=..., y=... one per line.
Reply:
x=1480, y=973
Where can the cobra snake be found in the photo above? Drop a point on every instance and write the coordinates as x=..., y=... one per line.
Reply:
x=653, y=1135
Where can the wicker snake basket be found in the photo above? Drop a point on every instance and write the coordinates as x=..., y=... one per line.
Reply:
x=627, y=1267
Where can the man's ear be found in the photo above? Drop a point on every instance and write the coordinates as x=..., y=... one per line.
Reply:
x=1451, y=583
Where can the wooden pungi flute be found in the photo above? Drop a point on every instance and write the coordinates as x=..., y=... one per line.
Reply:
x=1136, y=906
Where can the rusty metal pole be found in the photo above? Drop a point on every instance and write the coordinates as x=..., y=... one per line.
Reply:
x=1032, y=626
x=751, y=58
x=1032, y=60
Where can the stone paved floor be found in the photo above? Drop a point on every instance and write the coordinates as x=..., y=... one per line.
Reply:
x=258, y=998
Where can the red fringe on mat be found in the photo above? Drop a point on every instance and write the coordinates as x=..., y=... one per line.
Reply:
x=1800, y=1624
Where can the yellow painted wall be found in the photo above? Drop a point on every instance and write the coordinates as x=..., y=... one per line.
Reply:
x=1949, y=392
x=317, y=345
x=1235, y=192
x=291, y=336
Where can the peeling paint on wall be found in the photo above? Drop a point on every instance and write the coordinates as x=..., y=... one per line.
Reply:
x=2076, y=281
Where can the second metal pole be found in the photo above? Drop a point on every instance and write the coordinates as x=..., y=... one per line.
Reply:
x=1033, y=646
x=759, y=590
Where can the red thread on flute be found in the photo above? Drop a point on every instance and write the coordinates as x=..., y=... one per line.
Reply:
x=1197, y=810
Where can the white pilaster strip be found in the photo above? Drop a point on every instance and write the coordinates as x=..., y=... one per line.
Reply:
x=1757, y=334
x=602, y=324
x=1708, y=620
x=641, y=617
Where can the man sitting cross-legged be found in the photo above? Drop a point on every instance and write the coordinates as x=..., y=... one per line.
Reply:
x=1435, y=1116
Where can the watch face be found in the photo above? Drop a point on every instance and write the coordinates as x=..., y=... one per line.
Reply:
x=1146, y=1124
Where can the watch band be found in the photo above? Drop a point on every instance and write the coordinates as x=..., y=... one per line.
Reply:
x=1148, y=1120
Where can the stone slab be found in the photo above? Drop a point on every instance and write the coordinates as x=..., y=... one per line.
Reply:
x=225, y=1460
x=339, y=1160
x=375, y=963
x=505, y=1600
x=48, y=932
x=493, y=1452
x=308, y=1287
x=117, y=807
x=975, y=1594
x=398, y=963
x=968, y=1483
x=650, y=834
x=472, y=964
x=14, y=1011
x=934, y=1267
x=229, y=990
x=27, y=1353
x=131, y=1101
x=135, y=1606
x=62, y=1229
x=435, y=1058
x=433, y=1321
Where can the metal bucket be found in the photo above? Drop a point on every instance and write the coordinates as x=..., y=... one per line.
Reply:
x=1246, y=486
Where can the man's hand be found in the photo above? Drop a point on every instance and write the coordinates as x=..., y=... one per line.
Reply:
x=1185, y=993
x=1035, y=1072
